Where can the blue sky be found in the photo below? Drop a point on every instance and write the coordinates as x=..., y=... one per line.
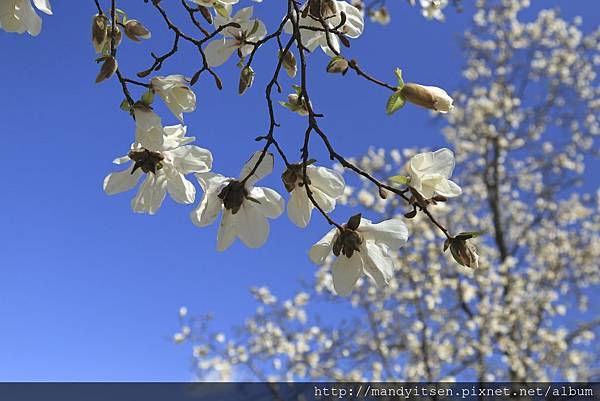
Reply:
x=89, y=290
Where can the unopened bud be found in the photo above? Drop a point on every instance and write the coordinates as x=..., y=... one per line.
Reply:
x=380, y=15
x=117, y=33
x=463, y=252
x=297, y=104
x=135, y=30
x=289, y=63
x=246, y=79
x=206, y=14
x=99, y=31
x=109, y=67
x=337, y=65
x=430, y=97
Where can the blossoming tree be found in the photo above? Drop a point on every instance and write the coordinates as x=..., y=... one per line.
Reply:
x=492, y=313
x=523, y=130
x=163, y=157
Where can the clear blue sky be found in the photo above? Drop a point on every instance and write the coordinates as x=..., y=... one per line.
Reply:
x=90, y=291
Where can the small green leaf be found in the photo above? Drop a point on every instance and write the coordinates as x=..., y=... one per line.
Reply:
x=298, y=89
x=470, y=234
x=398, y=73
x=125, y=106
x=148, y=98
x=394, y=103
x=400, y=179
x=221, y=10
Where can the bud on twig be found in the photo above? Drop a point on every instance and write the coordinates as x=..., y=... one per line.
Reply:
x=246, y=79
x=289, y=63
x=99, y=31
x=337, y=65
x=430, y=97
x=463, y=252
x=206, y=14
x=136, y=30
x=109, y=67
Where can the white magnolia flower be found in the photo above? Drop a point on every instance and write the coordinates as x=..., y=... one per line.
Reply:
x=216, y=3
x=165, y=158
x=175, y=92
x=20, y=16
x=430, y=172
x=430, y=97
x=251, y=30
x=361, y=247
x=245, y=207
x=330, y=12
x=326, y=186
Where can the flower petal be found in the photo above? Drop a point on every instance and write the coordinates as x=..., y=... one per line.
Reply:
x=318, y=252
x=180, y=189
x=264, y=168
x=151, y=194
x=392, y=232
x=271, y=203
x=327, y=180
x=346, y=272
x=226, y=234
x=121, y=181
x=379, y=265
x=299, y=207
x=43, y=6
x=218, y=52
x=191, y=159
x=251, y=225
x=208, y=209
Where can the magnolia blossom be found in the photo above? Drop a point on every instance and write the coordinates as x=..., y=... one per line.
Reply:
x=245, y=207
x=430, y=97
x=330, y=13
x=361, y=246
x=175, y=92
x=326, y=186
x=216, y=3
x=20, y=16
x=165, y=158
x=430, y=172
x=250, y=31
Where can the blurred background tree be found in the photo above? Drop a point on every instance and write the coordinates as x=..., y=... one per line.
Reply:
x=523, y=132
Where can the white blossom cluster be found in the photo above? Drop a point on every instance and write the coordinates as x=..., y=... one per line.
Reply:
x=161, y=158
x=526, y=315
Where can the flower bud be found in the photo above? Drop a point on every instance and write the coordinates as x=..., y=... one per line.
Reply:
x=109, y=67
x=136, y=30
x=99, y=31
x=118, y=35
x=289, y=63
x=430, y=97
x=380, y=15
x=246, y=79
x=337, y=65
x=463, y=252
x=297, y=104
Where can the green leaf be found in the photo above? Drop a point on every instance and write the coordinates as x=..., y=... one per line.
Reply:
x=125, y=106
x=221, y=10
x=470, y=234
x=400, y=179
x=394, y=103
x=398, y=73
x=298, y=89
x=148, y=98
